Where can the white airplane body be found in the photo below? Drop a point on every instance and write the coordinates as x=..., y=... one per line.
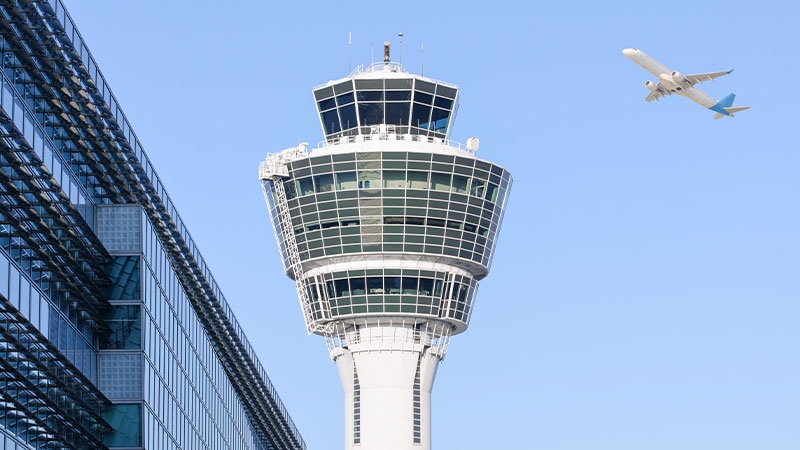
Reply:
x=673, y=82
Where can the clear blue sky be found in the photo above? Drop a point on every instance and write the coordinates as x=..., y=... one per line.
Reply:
x=645, y=293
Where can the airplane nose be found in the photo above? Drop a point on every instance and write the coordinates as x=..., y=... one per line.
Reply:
x=629, y=51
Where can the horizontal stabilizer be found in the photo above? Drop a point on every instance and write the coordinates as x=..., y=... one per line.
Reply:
x=731, y=110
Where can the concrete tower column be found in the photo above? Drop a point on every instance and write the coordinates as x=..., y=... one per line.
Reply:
x=387, y=377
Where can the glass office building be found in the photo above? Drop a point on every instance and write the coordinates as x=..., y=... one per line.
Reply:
x=113, y=332
x=387, y=227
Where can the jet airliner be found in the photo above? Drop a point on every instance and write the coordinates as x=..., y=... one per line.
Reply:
x=673, y=82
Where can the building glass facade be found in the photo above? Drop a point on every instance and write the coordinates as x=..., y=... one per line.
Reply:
x=113, y=332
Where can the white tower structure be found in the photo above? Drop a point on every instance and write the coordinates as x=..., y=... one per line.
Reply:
x=386, y=229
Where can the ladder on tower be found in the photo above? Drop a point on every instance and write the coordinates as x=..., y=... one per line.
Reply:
x=277, y=171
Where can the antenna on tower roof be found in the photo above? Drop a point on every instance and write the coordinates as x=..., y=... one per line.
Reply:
x=400, y=35
x=386, y=57
x=349, y=51
x=422, y=59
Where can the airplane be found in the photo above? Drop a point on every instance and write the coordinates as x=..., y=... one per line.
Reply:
x=673, y=82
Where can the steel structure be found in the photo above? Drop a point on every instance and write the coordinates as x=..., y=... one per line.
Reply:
x=386, y=228
x=66, y=146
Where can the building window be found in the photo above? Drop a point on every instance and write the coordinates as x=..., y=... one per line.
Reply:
x=125, y=274
x=126, y=420
x=125, y=328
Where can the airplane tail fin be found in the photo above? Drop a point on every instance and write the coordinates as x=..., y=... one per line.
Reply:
x=727, y=101
x=725, y=107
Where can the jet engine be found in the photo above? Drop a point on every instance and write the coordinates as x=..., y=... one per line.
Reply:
x=650, y=85
x=677, y=76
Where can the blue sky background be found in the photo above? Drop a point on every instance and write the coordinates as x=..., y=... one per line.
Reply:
x=644, y=293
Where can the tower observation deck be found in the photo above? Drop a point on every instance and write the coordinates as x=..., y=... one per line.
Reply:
x=386, y=227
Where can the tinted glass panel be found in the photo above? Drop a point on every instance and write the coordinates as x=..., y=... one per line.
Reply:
x=443, y=103
x=397, y=113
x=394, y=179
x=331, y=121
x=369, y=84
x=439, y=119
x=446, y=91
x=306, y=186
x=124, y=323
x=398, y=83
x=323, y=93
x=358, y=286
x=460, y=184
x=370, y=113
x=326, y=104
x=347, y=86
x=424, y=86
x=398, y=95
x=440, y=181
x=346, y=180
x=124, y=274
x=126, y=420
x=344, y=99
x=417, y=180
x=391, y=285
x=324, y=183
x=375, y=285
x=348, y=115
x=420, y=116
x=423, y=98
x=369, y=96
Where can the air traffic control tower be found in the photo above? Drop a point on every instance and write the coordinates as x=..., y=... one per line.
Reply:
x=386, y=228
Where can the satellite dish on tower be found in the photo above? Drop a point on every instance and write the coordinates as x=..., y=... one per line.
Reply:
x=472, y=144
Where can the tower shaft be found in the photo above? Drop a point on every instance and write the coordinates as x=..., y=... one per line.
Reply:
x=387, y=379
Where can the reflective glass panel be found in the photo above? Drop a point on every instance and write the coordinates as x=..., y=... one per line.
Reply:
x=126, y=420
x=348, y=116
x=331, y=121
x=397, y=113
x=124, y=323
x=346, y=180
x=125, y=278
x=421, y=115
x=324, y=183
x=370, y=113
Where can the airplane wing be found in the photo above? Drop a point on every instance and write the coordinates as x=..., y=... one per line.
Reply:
x=657, y=94
x=698, y=78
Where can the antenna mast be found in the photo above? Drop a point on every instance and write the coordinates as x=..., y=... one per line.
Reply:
x=349, y=51
x=401, y=46
x=422, y=59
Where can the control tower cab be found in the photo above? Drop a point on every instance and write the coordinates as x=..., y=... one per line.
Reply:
x=386, y=228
